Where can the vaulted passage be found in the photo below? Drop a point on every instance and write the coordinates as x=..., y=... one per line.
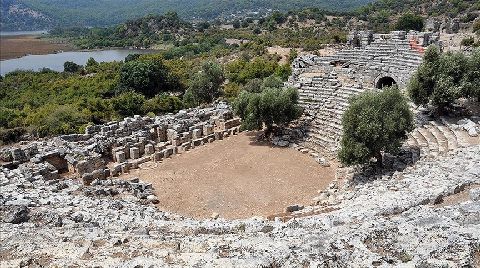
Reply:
x=385, y=81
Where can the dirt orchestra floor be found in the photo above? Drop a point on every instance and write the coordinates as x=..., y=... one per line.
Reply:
x=236, y=178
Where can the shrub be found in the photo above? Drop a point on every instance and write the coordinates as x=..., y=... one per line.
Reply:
x=91, y=66
x=205, y=85
x=11, y=135
x=468, y=41
x=374, y=122
x=56, y=119
x=162, y=103
x=148, y=77
x=409, y=21
x=128, y=104
x=71, y=67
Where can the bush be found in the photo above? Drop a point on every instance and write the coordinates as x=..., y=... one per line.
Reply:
x=56, y=119
x=468, y=41
x=409, y=21
x=128, y=104
x=91, y=66
x=231, y=90
x=163, y=103
x=148, y=77
x=11, y=135
x=205, y=85
x=71, y=67
x=271, y=107
x=374, y=122
x=476, y=27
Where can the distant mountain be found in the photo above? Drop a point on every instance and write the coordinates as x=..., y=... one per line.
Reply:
x=41, y=14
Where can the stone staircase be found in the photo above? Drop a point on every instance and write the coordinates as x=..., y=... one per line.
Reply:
x=437, y=137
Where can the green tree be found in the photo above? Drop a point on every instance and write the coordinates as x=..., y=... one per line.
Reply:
x=375, y=122
x=409, y=21
x=421, y=85
x=205, y=85
x=272, y=107
x=71, y=67
x=443, y=78
x=148, y=77
x=92, y=65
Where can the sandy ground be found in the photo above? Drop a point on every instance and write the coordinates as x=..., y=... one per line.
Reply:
x=18, y=46
x=236, y=178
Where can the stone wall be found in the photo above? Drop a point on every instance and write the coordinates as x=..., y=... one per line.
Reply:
x=370, y=61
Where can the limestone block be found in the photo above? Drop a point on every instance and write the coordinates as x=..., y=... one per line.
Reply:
x=134, y=153
x=207, y=130
x=171, y=134
x=149, y=149
x=160, y=146
x=134, y=164
x=157, y=156
x=116, y=170
x=162, y=133
x=196, y=134
x=87, y=178
x=144, y=159
x=141, y=146
x=125, y=167
x=120, y=157
x=218, y=135
x=197, y=142
x=98, y=174
x=186, y=135
x=176, y=142
x=167, y=152
x=186, y=146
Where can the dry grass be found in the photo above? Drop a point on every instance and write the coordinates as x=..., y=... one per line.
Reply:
x=18, y=46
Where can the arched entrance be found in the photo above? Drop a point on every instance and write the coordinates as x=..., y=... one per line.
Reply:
x=385, y=81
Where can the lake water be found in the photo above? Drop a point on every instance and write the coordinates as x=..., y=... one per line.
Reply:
x=56, y=61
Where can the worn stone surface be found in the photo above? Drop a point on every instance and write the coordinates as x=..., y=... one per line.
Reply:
x=387, y=222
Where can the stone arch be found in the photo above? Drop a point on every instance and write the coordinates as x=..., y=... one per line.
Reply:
x=385, y=80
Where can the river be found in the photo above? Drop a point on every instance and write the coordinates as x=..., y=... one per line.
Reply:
x=56, y=61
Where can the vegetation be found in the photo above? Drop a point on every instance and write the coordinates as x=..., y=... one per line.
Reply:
x=409, y=21
x=109, y=12
x=269, y=108
x=375, y=122
x=445, y=77
x=205, y=85
x=148, y=77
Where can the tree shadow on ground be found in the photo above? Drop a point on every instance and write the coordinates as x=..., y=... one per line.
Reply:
x=407, y=157
x=258, y=138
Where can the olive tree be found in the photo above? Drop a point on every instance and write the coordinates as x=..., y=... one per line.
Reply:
x=375, y=122
x=444, y=77
x=205, y=85
x=269, y=108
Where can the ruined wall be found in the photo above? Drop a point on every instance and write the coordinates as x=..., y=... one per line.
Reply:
x=116, y=147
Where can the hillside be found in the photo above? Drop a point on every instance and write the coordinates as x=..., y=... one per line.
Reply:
x=55, y=13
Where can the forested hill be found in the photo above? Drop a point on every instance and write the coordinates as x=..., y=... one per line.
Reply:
x=35, y=14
